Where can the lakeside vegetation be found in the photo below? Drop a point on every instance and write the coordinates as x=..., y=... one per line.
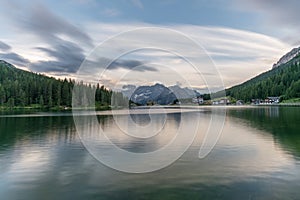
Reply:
x=283, y=82
x=21, y=89
x=294, y=100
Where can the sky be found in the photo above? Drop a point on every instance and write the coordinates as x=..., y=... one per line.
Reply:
x=194, y=43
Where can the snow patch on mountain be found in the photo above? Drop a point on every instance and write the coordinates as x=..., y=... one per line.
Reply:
x=287, y=57
x=158, y=94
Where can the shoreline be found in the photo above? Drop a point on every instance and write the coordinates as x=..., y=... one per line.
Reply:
x=106, y=108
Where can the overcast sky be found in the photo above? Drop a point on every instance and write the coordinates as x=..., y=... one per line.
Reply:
x=242, y=37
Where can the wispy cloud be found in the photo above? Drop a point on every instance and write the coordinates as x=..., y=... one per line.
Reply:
x=67, y=58
x=4, y=46
x=54, y=45
x=14, y=58
x=43, y=23
x=238, y=54
x=61, y=42
x=283, y=15
x=131, y=65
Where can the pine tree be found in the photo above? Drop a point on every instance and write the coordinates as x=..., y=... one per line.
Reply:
x=41, y=101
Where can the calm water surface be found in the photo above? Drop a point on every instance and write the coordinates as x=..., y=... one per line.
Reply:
x=256, y=157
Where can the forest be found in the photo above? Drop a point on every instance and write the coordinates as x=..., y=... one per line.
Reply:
x=21, y=89
x=283, y=82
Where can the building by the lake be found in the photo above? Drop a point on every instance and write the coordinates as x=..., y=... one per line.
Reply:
x=268, y=100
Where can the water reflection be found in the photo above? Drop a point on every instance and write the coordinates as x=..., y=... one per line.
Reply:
x=281, y=122
x=141, y=120
x=32, y=152
x=255, y=158
x=165, y=127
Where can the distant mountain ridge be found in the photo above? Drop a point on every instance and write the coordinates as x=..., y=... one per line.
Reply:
x=158, y=94
x=184, y=93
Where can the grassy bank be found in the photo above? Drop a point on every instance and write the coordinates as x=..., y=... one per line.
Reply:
x=294, y=100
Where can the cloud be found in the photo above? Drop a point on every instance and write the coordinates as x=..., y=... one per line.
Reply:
x=135, y=65
x=67, y=58
x=50, y=27
x=278, y=11
x=281, y=14
x=128, y=87
x=61, y=42
x=4, y=46
x=54, y=45
x=59, y=68
x=14, y=58
x=238, y=54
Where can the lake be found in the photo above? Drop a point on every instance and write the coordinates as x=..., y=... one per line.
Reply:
x=257, y=156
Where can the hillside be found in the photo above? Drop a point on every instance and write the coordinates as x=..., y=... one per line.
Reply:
x=19, y=88
x=282, y=80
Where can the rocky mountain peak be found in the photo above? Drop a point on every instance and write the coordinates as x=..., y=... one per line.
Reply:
x=287, y=57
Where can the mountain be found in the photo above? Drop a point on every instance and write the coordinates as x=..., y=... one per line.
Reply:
x=128, y=90
x=158, y=94
x=6, y=64
x=19, y=88
x=283, y=80
x=287, y=57
x=155, y=94
x=183, y=93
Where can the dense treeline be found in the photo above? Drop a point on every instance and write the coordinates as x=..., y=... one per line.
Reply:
x=19, y=88
x=283, y=81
